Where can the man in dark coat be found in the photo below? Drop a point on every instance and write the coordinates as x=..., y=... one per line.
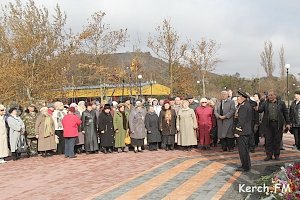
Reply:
x=224, y=112
x=243, y=130
x=254, y=124
x=89, y=129
x=193, y=105
x=106, y=129
x=295, y=118
x=275, y=116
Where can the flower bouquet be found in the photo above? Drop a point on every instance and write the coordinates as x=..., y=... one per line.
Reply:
x=283, y=184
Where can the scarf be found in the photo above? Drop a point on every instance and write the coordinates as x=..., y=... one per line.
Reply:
x=48, y=129
x=168, y=116
x=124, y=120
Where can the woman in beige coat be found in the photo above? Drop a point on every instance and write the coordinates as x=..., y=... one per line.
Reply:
x=45, y=132
x=3, y=136
x=186, y=126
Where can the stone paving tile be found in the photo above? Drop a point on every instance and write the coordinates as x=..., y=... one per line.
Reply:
x=143, y=178
x=161, y=191
x=88, y=175
x=210, y=188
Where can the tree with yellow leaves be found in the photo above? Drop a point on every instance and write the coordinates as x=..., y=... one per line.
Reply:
x=35, y=51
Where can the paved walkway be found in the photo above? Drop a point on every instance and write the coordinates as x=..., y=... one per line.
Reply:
x=148, y=175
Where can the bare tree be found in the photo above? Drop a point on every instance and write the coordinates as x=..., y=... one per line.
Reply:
x=282, y=62
x=166, y=45
x=204, y=56
x=98, y=38
x=267, y=59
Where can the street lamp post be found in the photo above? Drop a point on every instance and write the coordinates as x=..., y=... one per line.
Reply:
x=140, y=82
x=199, y=87
x=151, y=84
x=287, y=66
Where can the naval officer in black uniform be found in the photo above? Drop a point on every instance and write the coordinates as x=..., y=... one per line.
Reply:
x=243, y=130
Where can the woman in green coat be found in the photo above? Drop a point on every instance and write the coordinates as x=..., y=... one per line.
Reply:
x=121, y=128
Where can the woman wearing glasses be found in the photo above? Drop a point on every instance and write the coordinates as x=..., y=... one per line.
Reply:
x=204, y=114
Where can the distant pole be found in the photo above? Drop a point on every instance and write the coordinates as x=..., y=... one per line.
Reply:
x=123, y=82
x=287, y=66
x=140, y=83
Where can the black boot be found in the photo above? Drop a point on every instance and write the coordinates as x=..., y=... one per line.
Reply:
x=14, y=156
x=44, y=154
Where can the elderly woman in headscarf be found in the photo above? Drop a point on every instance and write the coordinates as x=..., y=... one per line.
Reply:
x=121, y=127
x=167, y=126
x=137, y=126
x=151, y=123
x=204, y=116
x=4, y=151
x=45, y=133
x=58, y=115
x=16, y=128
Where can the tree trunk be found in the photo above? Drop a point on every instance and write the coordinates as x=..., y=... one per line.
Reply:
x=203, y=83
x=171, y=77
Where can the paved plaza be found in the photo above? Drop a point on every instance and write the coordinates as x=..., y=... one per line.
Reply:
x=149, y=175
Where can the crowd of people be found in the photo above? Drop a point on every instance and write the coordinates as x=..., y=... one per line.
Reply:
x=154, y=124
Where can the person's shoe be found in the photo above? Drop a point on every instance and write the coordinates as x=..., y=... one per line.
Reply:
x=224, y=148
x=268, y=158
x=252, y=151
x=48, y=154
x=126, y=149
x=240, y=169
x=119, y=150
x=109, y=150
x=44, y=155
x=73, y=157
x=140, y=150
x=277, y=158
x=172, y=148
x=135, y=151
x=282, y=148
x=2, y=161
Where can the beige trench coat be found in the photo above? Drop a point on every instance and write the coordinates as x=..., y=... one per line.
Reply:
x=186, y=125
x=4, y=151
x=44, y=143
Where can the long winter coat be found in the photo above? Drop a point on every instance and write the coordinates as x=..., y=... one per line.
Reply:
x=137, y=123
x=44, y=143
x=106, y=130
x=186, y=125
x=16, y=128
x=80, y=139
x=152, y=126
x=225, y=126
x=205, y=118
x=165, y=128
x=118, y=125
x=70, y=123
x=4, y=151
x=89, y=125
x=245, y=118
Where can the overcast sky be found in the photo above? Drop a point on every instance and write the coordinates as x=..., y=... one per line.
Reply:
x=240, y=26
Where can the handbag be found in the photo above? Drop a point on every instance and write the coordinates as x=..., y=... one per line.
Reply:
x=22, y=146
x=127, y=138
x=56, y=139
